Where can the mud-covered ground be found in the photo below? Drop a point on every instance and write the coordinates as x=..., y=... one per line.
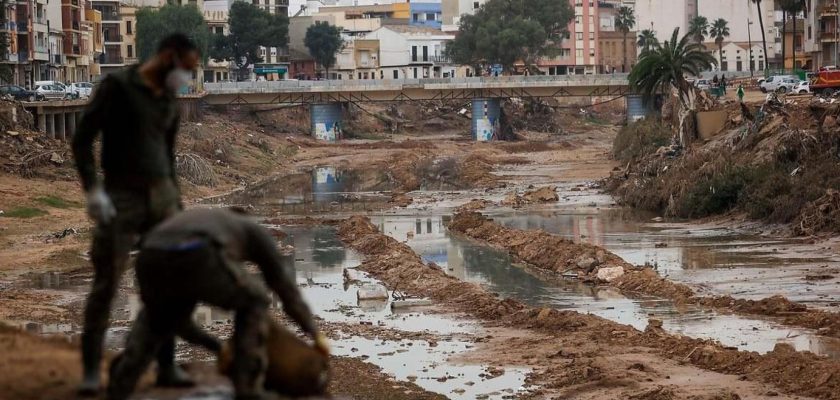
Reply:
x=517, y=294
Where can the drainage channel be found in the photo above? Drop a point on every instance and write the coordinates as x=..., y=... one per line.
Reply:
x=496, y=271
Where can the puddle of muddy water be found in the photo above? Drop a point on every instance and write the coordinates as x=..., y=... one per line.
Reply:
x=496, y=271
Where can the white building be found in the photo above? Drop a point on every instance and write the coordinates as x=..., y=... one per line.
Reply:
x=412, y=52
x=663, y=16
x=452, y=10
x=736, y=56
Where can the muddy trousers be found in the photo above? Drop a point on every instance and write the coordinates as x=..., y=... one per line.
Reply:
x=171, y=285
x=137, y=211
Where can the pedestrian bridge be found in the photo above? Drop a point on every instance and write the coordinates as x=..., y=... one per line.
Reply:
x=339, y=91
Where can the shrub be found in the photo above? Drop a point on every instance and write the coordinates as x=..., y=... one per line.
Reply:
x=640, y=138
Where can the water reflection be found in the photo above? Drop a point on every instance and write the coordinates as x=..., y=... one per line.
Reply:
x=494, y=270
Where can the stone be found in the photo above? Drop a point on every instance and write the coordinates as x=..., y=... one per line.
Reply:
x=610, y=274
x=56, y=159
x=654, y=324
x=587, y=263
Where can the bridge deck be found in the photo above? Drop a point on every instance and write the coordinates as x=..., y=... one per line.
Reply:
x=414, y=89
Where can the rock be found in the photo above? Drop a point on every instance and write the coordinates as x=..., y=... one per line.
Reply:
x=610, y=274
x=544, y=313
x=654, y=324
x=12, y=133
x=587, y=263
x=56, y=159
x=601, y=256
x=372, y=292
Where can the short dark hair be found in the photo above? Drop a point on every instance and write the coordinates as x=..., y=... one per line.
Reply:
x=178, y=42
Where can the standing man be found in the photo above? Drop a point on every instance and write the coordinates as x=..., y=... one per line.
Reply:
x=137, y=114
x=206, y=249
x=723, y=84
x=740, y=93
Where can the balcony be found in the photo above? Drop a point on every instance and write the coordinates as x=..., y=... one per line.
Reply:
x=440, y=59
x=829, y=36
x=829, y=10
x=113, y=38
x=22, y=28
x=108, y=59
x=58, y=59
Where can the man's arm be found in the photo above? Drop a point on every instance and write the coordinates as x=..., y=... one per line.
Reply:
x=88, y=129
x=262, y=250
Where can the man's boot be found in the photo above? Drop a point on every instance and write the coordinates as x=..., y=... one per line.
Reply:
x=169, y=373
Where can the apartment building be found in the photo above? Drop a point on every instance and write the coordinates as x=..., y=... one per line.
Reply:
x=739, y=56
x=452, y=10
x=613, y=45
x=412, y=52
x=426, y=14
x=821, y=33
x=217, y=22
x=578, y=53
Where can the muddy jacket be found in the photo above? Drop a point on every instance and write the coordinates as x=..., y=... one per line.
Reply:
x=138, y=132
x=239, y=239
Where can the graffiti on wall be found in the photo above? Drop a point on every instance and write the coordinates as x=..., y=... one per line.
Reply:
x=329, y=131
x=486, y=129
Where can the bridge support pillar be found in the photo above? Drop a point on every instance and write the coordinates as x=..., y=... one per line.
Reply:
x=326, y=121
x=42, y=122
x=59, y=126
x=70, y=124
x=50, y=126
x=485, y=119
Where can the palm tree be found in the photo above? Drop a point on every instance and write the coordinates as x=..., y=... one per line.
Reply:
x=763, y=34
x=698, y=27
x=720, y=31
x=624, y=21
x=790, y=8
x=647, y=40
x=664, y=67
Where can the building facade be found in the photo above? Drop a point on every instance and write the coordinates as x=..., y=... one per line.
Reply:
x=794, y=46
x=426, y=14
x=737, y=57
x=821, y=33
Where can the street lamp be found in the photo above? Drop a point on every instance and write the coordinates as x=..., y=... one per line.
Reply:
x=749, y=43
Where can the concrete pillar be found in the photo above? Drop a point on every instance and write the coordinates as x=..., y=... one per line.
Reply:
x=42, y=122
x=485, y=119
x=326, y=121
x=71, y=124
x=59, y=126
x=50, y=126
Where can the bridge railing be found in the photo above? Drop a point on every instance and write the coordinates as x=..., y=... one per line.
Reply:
x=398, y=84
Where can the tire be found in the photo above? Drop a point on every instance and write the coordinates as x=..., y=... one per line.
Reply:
x=763, y=89
x=31, y=98
x=827, y=92
x=782, y=90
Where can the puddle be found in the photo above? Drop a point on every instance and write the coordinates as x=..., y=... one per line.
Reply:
x=718, y=260
x=324, y=189
x=494, y=270
x=425, y=364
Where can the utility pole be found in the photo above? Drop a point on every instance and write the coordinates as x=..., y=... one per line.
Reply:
x=749, y=41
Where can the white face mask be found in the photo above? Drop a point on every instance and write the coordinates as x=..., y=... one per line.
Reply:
x=177, y=79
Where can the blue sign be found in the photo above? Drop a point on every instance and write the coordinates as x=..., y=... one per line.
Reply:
x=270, y=70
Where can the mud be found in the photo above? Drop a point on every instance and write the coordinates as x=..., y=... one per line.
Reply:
x=396, y=265
x=532, y=196
x=562, y=256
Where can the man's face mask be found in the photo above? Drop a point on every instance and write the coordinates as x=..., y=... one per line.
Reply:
x=178, y=77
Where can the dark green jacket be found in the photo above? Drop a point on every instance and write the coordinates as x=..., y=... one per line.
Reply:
x=138, y=132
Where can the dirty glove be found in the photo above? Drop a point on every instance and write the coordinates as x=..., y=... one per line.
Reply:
x=322, y=344
x=99, y=206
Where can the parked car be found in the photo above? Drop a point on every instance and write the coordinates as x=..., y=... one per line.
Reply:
x=803, y=87
x=18, y=93
x=778, y=83
x=69, y=93
x=51, y=92
x=703, y=84
x=82, y=89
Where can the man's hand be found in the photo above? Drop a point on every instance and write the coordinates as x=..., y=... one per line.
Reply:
x=99, y=206
x=322, y=344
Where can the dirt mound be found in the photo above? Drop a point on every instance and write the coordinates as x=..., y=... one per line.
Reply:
x=399, y=199
x=32, y=154
x=561, y=256
x=780, y=167
x=547, y=194
x=399, y=267
x=475, y=205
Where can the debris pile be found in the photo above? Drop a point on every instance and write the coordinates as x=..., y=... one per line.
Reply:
x=546, y=194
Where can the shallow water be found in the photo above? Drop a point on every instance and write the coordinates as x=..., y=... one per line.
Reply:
x=496, y=271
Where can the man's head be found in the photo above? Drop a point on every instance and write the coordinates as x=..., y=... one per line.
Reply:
x=178, y=51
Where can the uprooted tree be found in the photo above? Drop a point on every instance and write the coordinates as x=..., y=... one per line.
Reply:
x=509, y=31
x=664, y=68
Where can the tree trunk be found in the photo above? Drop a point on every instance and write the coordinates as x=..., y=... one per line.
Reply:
x=327, y=73
x=720, y=54
x=784, y=39
x=763, y=34
x=624, y=48
x=688, y=114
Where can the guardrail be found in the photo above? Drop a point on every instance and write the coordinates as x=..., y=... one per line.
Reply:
x=396, y=84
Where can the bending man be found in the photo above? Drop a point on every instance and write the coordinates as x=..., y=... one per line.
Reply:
x=194, y=257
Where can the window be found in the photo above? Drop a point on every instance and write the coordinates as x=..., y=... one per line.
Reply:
x=578, y=19
x=475, y=5
x=415, y=73
x=128, y=27
x=415, y=17
x=809, y=32
x=425, y=53
x=219, y=30
x=565, y=53
x=430, y=16
x=592, y=52
x=414, y=53
x=579, y=53
x=396, y=74
x=129, y=51
x=579, y=35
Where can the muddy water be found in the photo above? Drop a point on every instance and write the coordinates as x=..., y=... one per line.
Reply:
x=496, y=271
x=320, y=261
